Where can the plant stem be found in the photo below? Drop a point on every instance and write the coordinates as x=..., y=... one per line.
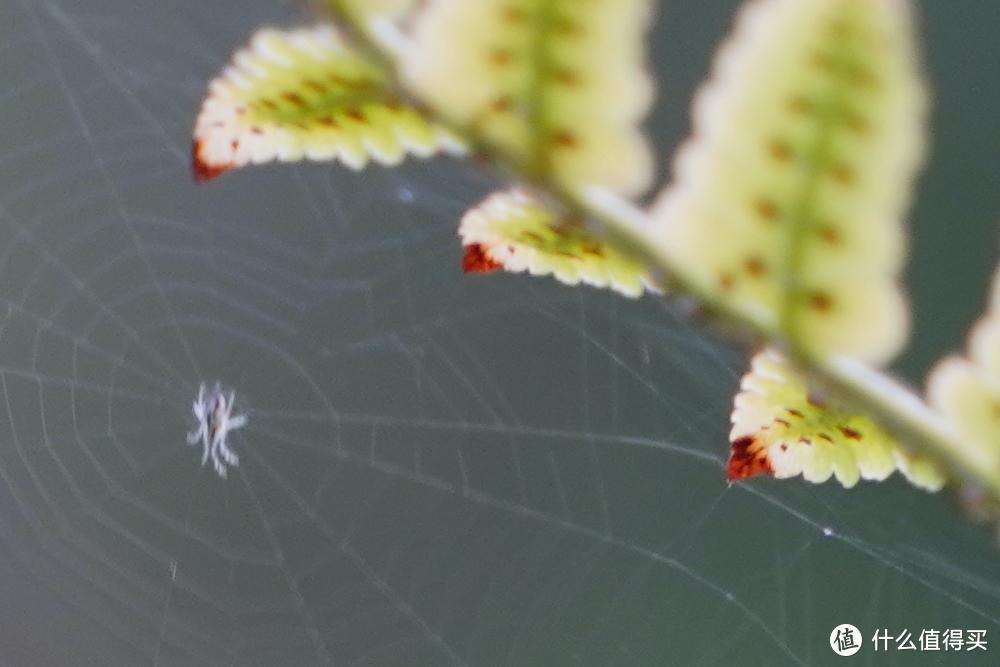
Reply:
x=859, y=386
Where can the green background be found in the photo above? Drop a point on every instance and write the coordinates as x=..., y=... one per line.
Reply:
x=437, y=469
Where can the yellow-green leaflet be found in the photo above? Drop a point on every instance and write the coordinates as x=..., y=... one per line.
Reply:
x=513, y=231
x=779, y=429
x=303, y=94
x=788, y=201
x=558, y=86
x=967, y=391
x=368, y=9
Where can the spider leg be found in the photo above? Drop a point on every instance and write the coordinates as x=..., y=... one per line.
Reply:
x=220, y=468
x=239, y=421
x=228, y=454
x=194, y=436
x=206, y=449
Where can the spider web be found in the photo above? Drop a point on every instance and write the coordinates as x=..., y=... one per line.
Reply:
x=436, y=469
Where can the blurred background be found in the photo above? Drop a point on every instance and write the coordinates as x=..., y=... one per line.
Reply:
x=438, y=469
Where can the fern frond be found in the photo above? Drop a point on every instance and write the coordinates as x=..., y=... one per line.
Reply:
x=781, y=430
x=305, y=94
x=557, y=86
x=788, y=201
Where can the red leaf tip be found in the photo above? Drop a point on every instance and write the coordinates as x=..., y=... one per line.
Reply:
x=748, y=458
x=477, y=260
x=202, y=170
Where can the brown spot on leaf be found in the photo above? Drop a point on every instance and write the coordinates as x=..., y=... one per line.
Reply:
x=800, y=104
x=820, y=301
x=564, y=139
x=294, y=98
x=512, y=15
x=766, y=209
x=780, y=150
x=501, y=104
x=825, y=436
x=862, y=76
x=815, y=400
x=747, y=458
x=849, y=433
x=727, y=282
x=567, y=77
x=338, y=80
x=566, y=27
x=204, y=171
x=829, y=234
x=476, y=260
x=501, y=57
x=569, y=223
x=795, y=413
x=357, y=115
x=841, y=28
x=842, y=173
x=857, y=123
x=755, y=266
x=823, y=61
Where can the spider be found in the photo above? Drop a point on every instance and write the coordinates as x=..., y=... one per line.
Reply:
x=214, y=412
